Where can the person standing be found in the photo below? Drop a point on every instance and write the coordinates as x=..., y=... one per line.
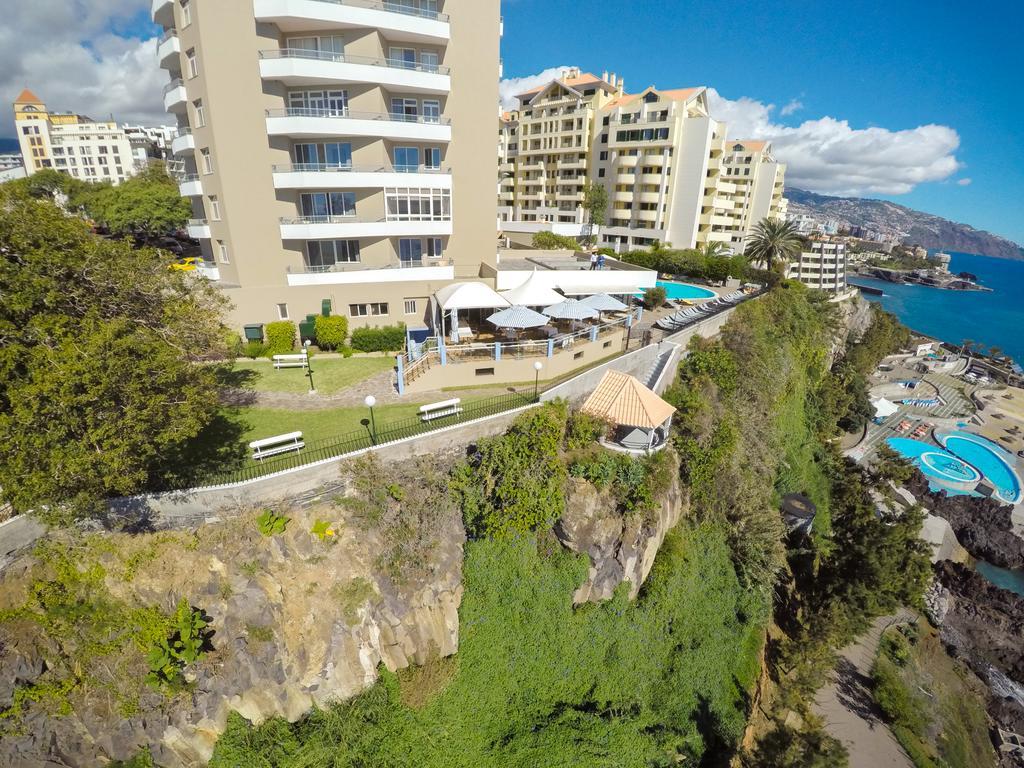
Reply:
x=593, y=262
x=600, y=261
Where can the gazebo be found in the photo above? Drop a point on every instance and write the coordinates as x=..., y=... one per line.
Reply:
x=641, y=418
x=466, y=296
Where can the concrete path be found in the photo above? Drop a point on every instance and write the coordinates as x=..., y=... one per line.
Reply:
x=850, y=713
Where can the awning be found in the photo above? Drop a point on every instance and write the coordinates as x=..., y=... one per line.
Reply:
x=517, y=317
x=533, y=293
x=884, y=408
x=613, y=288
x=469, y=296
x=621, y=399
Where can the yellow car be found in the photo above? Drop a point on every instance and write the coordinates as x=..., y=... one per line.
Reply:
x=187, y=264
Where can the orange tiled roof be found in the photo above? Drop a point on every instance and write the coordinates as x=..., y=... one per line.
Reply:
x=27, y=97
x=621, y=399
x=749, y=144
x=572, y=82
x=678, y=94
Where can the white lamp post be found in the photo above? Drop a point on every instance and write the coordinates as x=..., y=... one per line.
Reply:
x=370, y=402
x=538, y=366
x=309, y=368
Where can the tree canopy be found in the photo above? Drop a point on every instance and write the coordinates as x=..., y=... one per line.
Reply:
x=99, y=386
x=774, y=242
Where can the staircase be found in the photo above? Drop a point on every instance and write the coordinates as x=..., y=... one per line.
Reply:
x=650, y=378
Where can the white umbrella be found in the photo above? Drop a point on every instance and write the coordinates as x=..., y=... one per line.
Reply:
x=517, y=317
x=602, y=302
x=571, y=309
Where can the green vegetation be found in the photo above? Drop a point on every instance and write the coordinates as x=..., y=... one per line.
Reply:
x=269, y=523
x=774, y=243
x=353, y=596
x=595, y=203
x=386, y=338
x=933, y=706
x=331, y=332
x=188, y=642
x=549, y=241
x=637, y=484
x=701, y=263
x=654, y=298
x=333, y=375
x=280, y=338
x=99, y=390
x=323, y=530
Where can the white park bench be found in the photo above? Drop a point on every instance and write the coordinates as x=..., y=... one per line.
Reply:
x=272, y=446
x=291, y=361
x=440, y=410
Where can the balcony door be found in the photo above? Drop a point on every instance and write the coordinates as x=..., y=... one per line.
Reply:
x=431, y=111
x=325, y=47
x=406, y=110
x=407, y=159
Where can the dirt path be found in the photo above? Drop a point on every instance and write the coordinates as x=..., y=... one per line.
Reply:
x=850, y=713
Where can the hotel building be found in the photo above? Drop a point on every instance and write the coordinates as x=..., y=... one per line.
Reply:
x=74, y=144
x=337, y=154
x=822, y=267
x=663, y=160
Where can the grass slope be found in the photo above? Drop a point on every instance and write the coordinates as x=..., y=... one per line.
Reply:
x=331, y=375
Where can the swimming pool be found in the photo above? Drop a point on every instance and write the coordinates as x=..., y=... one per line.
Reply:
x=992, y=461
x=949, y=471
x=674, y=290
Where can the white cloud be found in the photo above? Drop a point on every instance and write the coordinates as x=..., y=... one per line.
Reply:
x=827, y=155
x=794, y=105
x=964, y=182
x=64, y=52
x=512, y=87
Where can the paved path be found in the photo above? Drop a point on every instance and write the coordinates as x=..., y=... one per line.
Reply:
x=850, y=713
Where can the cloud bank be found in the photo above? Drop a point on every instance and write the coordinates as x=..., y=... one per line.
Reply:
x=512, y=87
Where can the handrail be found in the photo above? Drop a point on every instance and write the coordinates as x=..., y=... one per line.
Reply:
x=355, y=220
x=392, y=7
x=182, y=132
x=342, y=58
x=167, y=36
x=198, y=222
x=185, y=178
x=328, y=168
x=358, y=266
x=392, y=117
x=175, y=83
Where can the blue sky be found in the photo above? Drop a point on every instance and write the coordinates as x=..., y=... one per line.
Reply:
x=883, y=71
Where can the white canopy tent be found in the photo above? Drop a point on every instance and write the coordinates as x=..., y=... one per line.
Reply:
x=884, y=408
x=533, y=293
x=467, y=295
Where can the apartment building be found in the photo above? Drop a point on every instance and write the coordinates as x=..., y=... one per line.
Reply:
x=71, y=143
x=822, y=267
x=660, y=155
x=759, y=180
x=337, y=154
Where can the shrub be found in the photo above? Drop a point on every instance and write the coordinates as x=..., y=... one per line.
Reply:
x=331, y=332
x=280, y=337
x=898, y=703
x=254, y=349
x=323, y=530
x=654, y=297
x=636, y=483
x=583, y=430
x=271, y=524
x=347, y=351
x=189, y=641
x=549, y=241
x=386, y=338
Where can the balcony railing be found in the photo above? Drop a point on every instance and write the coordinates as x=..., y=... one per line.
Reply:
x=185, y=178
x=198, y=222
x=342, y=58
x=393, y=117
x=167, y=36
x=358, y=266
x=327, y=168
x=406, y=9
x=427, y=217
x=175, y=83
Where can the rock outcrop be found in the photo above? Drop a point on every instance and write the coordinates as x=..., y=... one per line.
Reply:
x=620, y=547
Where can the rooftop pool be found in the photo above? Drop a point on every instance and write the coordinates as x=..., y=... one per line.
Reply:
x=988, y=458
x=685, y=291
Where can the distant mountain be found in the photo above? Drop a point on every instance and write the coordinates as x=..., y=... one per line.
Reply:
x=914, y=227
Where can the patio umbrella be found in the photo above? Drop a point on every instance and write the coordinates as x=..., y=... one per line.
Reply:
x=571, y=309
x=518, y=318
x=602, y=302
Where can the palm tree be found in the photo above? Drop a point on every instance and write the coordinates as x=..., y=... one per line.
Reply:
x=774, y=242
x=712, y=249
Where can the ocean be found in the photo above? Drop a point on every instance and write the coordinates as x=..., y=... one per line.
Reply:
x=992, y=319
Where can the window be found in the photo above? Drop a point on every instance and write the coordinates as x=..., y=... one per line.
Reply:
x=368, y=310
x=192, y=63
x=406, y=110
x=200, y=113
x=214, y=208
x=410, y=250
x=435, y=248
x=432, y=158
x=604, y=138
x=600, y=173
x=282, y=311
x=402, y=57
x=407, y=159
x=326, y=47
x=332, y=103
x=410, y=306
x=207, y=161
x=330, y=154
x=222, y=252
x=104, y=151
x=186, y=13
x=418, y=204
x=431, y=111
x=323, y=255
x=429, y=61
x=604, y=155
x=328, y=204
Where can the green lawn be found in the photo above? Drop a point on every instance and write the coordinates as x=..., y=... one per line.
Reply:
x=331, y=375
x=315, y=425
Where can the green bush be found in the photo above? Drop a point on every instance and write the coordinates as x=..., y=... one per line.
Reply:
x=899, y=704
x=654, y=297
x=188, y=642
x=347, y=351
x=331, y=332
x=549, y=241
x=254, y=350
x=637, y=483
x=270, y=523
x=583, y=430
x=386, y=338
x=280, y=337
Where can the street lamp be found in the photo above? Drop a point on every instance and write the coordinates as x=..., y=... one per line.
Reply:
x=309, y=368
x=536, y=381
x=370, y=402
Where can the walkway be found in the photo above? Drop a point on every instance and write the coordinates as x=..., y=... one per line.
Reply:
x=849, y=711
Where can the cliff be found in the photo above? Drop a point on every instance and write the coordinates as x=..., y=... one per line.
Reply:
x=913, y=227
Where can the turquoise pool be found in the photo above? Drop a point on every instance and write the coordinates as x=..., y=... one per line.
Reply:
x=946, y=469
x=674, y=290
x=988, y=458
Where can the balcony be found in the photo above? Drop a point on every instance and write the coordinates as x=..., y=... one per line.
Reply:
x=175, y=96
x=310, y=176
x=168, y=51
x=296, y=66
x=162, y=12
x=397, y=20
x=190, y=185
x=315, y=123
x=183, y=143
x=323, y=227
x=199, y=229
x=362, y=274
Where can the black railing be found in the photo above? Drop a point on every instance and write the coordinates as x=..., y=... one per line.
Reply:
x=379, y=432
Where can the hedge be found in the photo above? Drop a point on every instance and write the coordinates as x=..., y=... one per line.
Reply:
x=331, y=332
x=280, y=337
x=387, y=338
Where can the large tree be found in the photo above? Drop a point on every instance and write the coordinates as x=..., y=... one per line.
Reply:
x=100, y=386
x=773, y=243
x=147, y=204
x=595, y=203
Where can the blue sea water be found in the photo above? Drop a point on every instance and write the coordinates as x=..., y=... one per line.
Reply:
x=1002, y=577
x=992, y=319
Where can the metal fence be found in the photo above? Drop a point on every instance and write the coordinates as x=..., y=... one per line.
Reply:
x=378, y=432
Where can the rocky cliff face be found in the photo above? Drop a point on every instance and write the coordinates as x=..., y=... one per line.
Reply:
x=620, y=547
x=855, y=317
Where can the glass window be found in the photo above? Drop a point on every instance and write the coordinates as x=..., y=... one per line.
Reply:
x=318, y=204
x=407, y=159
x=402, y=57
x=193, y=63
x=207, y=161
x=222, y=252
x=429, y=61
x=410, y=250
x=200, y=113
x=214, y=208
x=435, y=248
x=410, y=306
x=282, y=311
x=405, y=109
x=432, y=158
x=186, y=13
x=431, y=111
